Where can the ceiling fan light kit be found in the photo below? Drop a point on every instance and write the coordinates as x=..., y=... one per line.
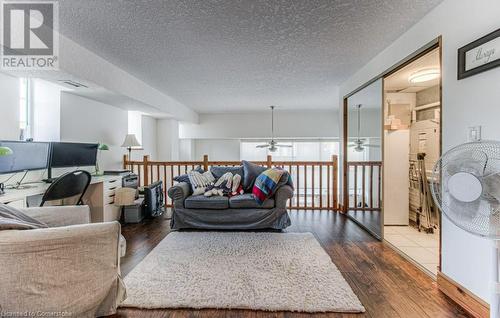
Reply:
x=273, y=145
x=359, y=144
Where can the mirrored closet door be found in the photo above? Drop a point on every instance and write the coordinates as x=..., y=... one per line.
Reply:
x=363, y=190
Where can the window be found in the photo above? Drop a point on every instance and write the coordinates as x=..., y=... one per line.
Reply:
x=24, y=109
x=135, y=124
x=300, y=150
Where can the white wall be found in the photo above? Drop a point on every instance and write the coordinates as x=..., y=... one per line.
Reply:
x=469, y=102
x=168, y=139
x=217, y=149
x=85, y=120
x=187, y=150
x=9, y=107
x=371, y=121
x=258, y=125
x=149, y=141
x=46, y=105
x=218, y=135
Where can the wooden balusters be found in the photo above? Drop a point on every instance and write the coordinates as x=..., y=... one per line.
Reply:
x=308, y=177
x=369, y=186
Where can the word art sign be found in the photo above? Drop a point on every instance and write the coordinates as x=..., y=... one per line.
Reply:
x=479, y=56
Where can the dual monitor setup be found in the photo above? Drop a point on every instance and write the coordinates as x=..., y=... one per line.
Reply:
x=29, y=156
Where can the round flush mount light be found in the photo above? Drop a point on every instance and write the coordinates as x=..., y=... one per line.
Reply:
x=424, y=75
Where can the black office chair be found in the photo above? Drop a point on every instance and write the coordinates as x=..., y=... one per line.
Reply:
x=68, y=185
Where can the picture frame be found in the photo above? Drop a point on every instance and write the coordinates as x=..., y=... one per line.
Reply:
x=479, y=56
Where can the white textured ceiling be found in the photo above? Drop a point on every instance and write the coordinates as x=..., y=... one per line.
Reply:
x=234, y=55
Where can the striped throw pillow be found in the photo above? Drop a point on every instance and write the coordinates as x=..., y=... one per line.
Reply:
x=199, y=181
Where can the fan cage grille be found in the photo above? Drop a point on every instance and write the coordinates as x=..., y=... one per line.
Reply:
x=481, y=159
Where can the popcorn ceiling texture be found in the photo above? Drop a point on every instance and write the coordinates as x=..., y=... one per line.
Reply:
x=233, y=55
x=261, y=271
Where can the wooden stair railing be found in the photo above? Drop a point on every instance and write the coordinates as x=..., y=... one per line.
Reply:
x=364, y=182
x=316, y=182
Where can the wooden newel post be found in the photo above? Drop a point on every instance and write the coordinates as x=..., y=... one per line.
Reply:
x=205, y=162
x=335, y=185
x=125, y=160
x=269, y=161
x=145, y=170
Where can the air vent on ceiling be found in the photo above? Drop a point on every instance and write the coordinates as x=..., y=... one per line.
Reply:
x=73, y=83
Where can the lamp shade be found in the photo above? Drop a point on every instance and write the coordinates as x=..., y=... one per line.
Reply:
x=130, y=141
x=5, y=151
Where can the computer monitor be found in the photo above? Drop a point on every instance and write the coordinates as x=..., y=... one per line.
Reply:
x=72, y=154
x=26, y=156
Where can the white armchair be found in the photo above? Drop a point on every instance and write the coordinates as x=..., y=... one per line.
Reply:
x=73, y=266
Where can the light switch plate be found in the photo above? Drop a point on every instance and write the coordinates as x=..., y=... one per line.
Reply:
x=474, y=133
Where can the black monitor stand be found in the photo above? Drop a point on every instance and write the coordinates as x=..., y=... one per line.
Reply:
x=49, y=176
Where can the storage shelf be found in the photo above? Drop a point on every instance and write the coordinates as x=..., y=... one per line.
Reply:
x=430, y=105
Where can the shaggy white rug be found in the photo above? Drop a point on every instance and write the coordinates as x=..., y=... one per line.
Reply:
x=261, y=271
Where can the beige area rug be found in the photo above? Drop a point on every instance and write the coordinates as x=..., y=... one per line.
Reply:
x=260, y=271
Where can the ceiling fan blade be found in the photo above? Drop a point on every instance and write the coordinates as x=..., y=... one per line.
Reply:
x=372, y=146
x=262, y=146
x=286, y=146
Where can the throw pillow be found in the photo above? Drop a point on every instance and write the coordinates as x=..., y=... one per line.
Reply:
x=14, y=219
x=185, y=177
x=250, y=172
x=200, y=181
x=219, y=171
x=221, y=186
x=267, y=183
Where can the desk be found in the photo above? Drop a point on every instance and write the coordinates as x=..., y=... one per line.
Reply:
x=100, y=197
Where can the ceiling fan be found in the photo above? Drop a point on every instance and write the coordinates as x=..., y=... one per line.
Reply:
x=359, y=144
x=273, y=145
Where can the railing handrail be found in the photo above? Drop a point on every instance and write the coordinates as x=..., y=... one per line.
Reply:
x=165, y=170
x=364, y=163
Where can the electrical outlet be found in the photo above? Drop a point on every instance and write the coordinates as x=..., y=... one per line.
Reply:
x=474, y=133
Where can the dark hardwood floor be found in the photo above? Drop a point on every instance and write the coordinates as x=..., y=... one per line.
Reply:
x=369, y=219
x=386, y=284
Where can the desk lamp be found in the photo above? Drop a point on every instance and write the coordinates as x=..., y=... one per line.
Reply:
x=4, y=151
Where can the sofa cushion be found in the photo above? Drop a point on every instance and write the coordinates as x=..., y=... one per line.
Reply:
x=247, y=201
x=251, y=171
x=202, y=202
x=219, y=171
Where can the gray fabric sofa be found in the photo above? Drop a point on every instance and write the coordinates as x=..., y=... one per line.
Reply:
x=240, y=212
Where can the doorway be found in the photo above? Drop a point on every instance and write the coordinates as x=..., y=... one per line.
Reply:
x=411, y=147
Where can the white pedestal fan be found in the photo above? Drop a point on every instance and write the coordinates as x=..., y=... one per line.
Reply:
x=466, y=188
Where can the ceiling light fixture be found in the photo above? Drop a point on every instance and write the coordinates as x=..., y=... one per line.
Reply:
x=424, y=75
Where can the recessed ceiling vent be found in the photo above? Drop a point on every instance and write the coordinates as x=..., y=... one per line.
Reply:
x=73, y=84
